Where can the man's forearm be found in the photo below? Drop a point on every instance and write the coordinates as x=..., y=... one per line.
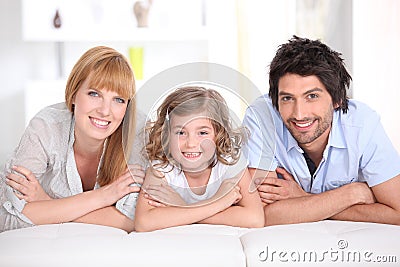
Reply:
x=314, y=207
x=376, y=212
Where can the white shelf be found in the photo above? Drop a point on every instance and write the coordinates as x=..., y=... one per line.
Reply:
x=88, y=20
x=131, y=35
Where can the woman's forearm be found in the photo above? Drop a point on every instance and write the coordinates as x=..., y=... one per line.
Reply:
x=108, y=216
x=64, y=209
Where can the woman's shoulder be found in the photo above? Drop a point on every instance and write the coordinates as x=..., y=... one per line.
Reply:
x=55, y=113
x=141, y=118
x=55, y=120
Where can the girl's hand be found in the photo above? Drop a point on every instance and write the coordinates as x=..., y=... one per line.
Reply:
x=27, y=185
x=163, y=195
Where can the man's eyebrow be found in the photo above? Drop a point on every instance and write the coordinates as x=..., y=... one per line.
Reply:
x=316, y=89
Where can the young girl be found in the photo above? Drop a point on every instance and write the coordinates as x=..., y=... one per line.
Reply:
x=197, y=174
x=71, y=148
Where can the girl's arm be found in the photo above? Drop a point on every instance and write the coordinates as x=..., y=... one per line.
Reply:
x=248, y=212
x=149, y=218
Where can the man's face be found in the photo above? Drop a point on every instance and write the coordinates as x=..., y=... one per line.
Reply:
x=306, y=109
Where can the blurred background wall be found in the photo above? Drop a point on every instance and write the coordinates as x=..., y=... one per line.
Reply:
x=36, y=57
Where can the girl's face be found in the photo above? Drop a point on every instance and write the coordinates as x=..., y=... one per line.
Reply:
x=192, y=141
x=98, y=112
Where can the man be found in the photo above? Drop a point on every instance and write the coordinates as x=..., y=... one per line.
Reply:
x=332, y=153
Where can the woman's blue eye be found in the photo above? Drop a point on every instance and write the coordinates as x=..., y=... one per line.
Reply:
x=120, y=100
x=93, y=93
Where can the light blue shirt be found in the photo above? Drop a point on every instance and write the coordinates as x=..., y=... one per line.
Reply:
x=358, y=148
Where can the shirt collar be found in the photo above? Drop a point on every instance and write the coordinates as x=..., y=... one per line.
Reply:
x=336, y=137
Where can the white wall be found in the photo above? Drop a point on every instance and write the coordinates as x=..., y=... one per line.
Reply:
x=19, y=62
x=24, y=63
x=376, y=60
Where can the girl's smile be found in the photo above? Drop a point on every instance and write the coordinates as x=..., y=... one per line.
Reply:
x=192, y=142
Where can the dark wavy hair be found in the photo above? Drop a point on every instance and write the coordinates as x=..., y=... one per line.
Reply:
x=311, y=57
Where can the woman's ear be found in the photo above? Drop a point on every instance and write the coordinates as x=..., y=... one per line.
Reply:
x=73, y=104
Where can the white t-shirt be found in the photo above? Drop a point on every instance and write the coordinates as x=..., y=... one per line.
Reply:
x=177, y=180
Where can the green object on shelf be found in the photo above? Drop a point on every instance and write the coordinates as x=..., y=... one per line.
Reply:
x=136, y=59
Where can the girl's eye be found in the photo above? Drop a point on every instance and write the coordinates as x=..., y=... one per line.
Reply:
x=120, y=100
x=179, y=133
x=93, y=93
x=203, y=133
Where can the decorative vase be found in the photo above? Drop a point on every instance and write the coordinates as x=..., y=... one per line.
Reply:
x=141, y=10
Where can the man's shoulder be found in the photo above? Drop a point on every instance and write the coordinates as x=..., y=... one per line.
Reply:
x=262, y=107
x=359, y=114
x=261, y=102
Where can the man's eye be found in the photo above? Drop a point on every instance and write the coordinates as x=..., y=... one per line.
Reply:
x=312, y=96
x=286, y=98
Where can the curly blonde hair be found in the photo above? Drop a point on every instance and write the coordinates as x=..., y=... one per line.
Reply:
x=187, y=100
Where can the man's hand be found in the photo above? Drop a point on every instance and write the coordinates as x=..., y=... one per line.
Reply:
x=272, y=188
x=362, y=193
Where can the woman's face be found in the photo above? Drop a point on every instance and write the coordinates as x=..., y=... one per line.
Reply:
x=192, y=141
x=98, y=112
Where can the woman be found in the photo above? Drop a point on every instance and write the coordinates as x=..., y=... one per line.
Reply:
x=71, y=148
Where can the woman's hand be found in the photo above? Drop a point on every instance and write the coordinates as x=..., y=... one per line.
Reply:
x=229, y=191
x=137, y=173
x=129, y=182
x=163, y=195
x=26, y=184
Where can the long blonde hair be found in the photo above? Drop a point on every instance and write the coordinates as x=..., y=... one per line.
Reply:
x=184, y=101
x=107, y=69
